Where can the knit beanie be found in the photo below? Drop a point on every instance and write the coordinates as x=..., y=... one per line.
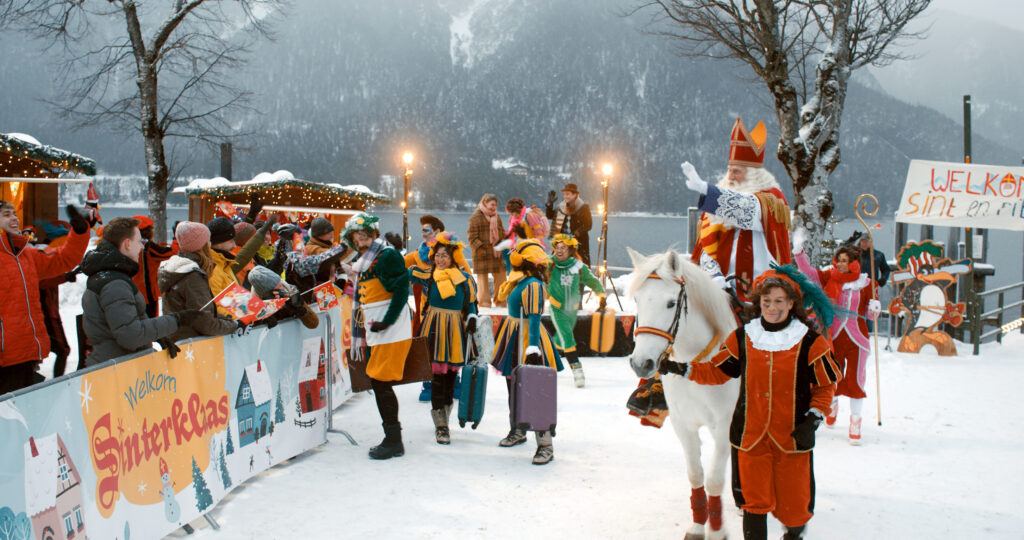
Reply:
x=191, y=236
x=221, y=230
x=320, y=227
x=243, y=232
x=263, y=280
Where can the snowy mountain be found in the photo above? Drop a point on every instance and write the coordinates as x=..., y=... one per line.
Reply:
x=555, y=86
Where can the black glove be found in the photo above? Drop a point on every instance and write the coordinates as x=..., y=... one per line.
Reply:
x=186, y=317
x=242, y=328
x=533, y=359
x=295, y=300
x=255, y=207
x=668, y=366
x=471, y=325
x=77, y=220
x=552, y=197
x=804, y=432
x=394, y=239
x=169, y=346
x=72, y=275
x=379, y=326
x=271, y=322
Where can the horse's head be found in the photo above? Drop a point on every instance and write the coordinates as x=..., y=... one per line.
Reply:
x=679, y=310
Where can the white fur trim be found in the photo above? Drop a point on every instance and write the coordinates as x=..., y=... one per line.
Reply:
x=575, y=268
x=532, y=349
x=857, y=285
x=783, y=340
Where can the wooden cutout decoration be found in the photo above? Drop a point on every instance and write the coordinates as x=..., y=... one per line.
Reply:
x=925, y=276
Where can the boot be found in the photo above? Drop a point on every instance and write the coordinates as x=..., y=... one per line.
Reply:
x=441, y=433
x=755, y=526
x=794, y=533
x=391, y=446
x=830, y=420
x=515, y=436
x=577, y=369
x=854, y=430
x=545, y=451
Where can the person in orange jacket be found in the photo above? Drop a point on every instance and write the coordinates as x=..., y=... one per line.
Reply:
x=153, y=253
x=788, y=379
x=23, y=338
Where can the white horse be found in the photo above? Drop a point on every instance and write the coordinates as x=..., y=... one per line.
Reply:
x=682, y=313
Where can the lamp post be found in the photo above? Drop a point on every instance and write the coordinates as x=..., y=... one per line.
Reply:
x=407, y=158
x=602, y=247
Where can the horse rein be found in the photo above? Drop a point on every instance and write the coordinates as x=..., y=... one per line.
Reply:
x=682, y=308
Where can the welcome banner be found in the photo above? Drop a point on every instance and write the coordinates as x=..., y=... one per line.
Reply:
x=963, y=195
x=137, y=448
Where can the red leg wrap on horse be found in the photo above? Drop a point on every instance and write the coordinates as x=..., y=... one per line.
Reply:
x=699, y=505
x=715, y=512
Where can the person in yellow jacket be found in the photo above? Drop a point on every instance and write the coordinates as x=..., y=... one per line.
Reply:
x=225, y=264
x=382, y=324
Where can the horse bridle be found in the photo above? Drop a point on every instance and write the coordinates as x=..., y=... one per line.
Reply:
x=682, y=308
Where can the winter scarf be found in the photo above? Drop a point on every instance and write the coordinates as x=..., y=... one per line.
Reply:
x=836, y=280
x=564, y=211
x=492, y=219
x=447, y=280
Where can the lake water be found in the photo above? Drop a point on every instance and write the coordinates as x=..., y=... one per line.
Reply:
x=650, y=234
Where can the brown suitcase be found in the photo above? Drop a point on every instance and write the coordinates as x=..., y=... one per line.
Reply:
x=602, y=330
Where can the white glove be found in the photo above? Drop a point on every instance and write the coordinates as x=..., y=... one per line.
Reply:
x=532, y=349
x=693, y=180
x=720, y=281
x=799, y=239
x=503, y=245
x=874, y=307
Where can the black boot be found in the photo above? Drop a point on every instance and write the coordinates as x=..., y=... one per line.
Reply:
x=794, y=533
x=755, y=526
x=391, y=446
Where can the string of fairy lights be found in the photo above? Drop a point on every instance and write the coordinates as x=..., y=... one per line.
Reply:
x=295, y=192
x=20, y=158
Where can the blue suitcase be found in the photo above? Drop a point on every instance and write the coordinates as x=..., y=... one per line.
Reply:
x=535, y=398
x=473, y=392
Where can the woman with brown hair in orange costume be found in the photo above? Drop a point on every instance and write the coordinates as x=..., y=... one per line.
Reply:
x=787, y=379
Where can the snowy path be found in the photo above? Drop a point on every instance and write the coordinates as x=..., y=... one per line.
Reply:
x=945, y=464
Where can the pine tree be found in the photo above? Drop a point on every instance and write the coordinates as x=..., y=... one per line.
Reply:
x=225, y=478
x=279, y=406
x=231, y=446
x=203, y=497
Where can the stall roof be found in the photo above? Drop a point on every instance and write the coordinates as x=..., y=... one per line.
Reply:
x=22, y=155
x=221, y=187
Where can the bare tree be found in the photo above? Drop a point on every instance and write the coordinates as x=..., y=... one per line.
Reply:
x=780, y=41
x=159, y=70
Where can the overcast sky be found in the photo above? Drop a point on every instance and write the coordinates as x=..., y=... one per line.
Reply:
x=1005, y=12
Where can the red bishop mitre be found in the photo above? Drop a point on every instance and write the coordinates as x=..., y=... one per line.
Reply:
x=746, y=149
x=92, y=196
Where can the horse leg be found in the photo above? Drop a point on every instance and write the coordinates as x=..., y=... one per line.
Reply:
x=716, y=481
x=695, y=473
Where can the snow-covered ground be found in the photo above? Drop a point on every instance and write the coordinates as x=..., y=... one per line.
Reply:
x=946, y=463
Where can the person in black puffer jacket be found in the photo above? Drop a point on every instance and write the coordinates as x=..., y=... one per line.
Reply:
x=114, y=310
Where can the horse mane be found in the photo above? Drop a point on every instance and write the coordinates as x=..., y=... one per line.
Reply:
x=702, y=293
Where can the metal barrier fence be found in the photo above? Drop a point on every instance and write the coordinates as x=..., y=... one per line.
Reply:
x=994, y=317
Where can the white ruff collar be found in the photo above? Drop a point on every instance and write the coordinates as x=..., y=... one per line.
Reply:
x=783, y=340
x=857, y=285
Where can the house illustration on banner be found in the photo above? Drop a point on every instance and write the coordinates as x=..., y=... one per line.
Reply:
x=252, y=404
x=313, y=379
x=53, y=490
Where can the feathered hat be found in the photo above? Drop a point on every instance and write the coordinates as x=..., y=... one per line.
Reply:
x=746, y=149
x=566, y=239
x=810, y=295
x=445, y=238
x=359, y=222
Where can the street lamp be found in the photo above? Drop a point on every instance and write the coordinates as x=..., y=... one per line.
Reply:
x=407, y=158
x=602, y=246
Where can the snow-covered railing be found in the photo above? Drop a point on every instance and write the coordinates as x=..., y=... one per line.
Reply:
x=994, y=316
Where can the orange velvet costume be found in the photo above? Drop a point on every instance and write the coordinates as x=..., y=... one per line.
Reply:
x=780, y=383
